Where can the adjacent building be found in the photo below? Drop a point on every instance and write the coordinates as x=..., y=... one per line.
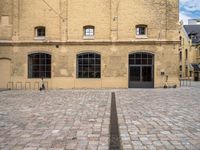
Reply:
x=194, y=22
x=190, y=52
x=89, y=43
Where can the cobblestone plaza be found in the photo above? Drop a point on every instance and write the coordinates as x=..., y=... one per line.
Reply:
x=80, y=119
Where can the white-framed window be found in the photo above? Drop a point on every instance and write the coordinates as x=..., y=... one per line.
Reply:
x=89, y=32
x=40, y=32
x=141, y=31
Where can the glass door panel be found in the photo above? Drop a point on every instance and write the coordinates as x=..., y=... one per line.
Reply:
x=146, y=73
x=135, y=73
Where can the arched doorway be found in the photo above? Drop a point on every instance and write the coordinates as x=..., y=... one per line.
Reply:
x=141, y=70
x=5, y=74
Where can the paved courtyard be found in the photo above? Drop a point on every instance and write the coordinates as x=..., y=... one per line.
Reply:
x=159, y=118
x=79, y=119
x=54, y=120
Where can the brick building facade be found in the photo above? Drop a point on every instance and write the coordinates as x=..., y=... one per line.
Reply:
x=89, y=43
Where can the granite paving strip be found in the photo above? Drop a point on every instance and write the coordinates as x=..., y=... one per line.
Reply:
x=1, y=90
x=115, y=143
x=55, y=120
x=159, y=119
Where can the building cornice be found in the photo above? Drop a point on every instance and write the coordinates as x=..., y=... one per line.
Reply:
x=83, y=42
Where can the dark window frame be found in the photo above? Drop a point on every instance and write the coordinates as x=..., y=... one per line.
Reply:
x=40, y=31
x=141, y=30
x=180, y=55
x=89, y=66
x=180, y=68
x=141, y=58
x=39, y=65
x=186, y=54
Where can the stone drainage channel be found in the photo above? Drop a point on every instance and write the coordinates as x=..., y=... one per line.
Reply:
x=115, y=142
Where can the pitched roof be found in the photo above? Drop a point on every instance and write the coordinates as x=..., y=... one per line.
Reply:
x=193, y=32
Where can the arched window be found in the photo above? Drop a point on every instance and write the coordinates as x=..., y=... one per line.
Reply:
x=40, y=32
x=88, y=65
x=89, y=31
x=39, y=65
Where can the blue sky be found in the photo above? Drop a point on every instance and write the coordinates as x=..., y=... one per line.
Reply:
x=189, y=9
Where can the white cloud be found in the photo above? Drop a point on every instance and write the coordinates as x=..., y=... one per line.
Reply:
x=184, y=18
x=190, y=5
x=189, y=9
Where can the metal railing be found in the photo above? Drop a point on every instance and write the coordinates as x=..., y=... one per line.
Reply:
x=26, y=85
x=185, y=82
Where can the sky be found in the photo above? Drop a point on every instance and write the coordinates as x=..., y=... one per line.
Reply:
x=189, y=9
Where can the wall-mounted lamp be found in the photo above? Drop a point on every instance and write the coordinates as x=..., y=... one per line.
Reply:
x=162, y=72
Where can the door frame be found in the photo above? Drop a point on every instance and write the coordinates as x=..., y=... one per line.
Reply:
x=196, y=77
x=152, y=66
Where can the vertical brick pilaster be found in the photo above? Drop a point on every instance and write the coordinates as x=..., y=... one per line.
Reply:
x=63, y=19
x=16, y=19
x=114, y=19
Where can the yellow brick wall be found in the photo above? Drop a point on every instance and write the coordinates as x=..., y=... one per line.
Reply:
x=115, y=39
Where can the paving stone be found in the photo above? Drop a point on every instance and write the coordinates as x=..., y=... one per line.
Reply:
x=54, y=120
x=79, y=119
x=160, y=118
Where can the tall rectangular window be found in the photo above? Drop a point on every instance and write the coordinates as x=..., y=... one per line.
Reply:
x=39, y=65
x=88, y=65
x=180, y=56
x=186, y=54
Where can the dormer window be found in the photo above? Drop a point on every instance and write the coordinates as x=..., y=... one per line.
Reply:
x=40, y=32
x=141, y=31
x=89, y=32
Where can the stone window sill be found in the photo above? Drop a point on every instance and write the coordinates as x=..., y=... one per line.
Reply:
x=40, y=38
x=141, y=37
x=88, y=37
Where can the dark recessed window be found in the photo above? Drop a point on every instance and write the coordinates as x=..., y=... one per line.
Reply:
x=180, y=67
x=39, y=65
x=186, y=71
x=88, y=65
x=180, y=56
x=40, y=32
x=141, y=30
x=186, y=54
x=88, y=30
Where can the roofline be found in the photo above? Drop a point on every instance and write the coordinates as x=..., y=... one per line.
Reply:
x=185, y=32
